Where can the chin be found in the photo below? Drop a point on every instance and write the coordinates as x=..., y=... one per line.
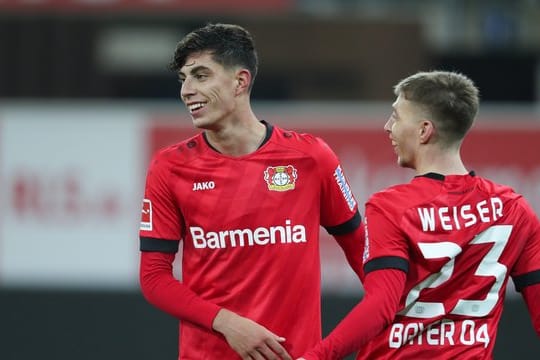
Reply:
x=200, y=123
x=403, y=163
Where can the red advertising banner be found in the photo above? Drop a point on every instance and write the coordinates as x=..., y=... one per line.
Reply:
x=158, y=5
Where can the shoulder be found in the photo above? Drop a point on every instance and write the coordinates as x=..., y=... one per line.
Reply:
x=181, y=152
x=507, y=194
x=491, y=187
x=303, y=142
x=509, y=197
x=390, y=194
x=399, y=191
x=399, y=198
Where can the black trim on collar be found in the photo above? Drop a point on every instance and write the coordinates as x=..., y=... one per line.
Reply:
x=437, y=176
x=269, y=130
x=208, y=143
x=432, y=175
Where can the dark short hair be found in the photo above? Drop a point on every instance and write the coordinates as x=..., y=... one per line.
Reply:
x=230, y=45
x=450, y=98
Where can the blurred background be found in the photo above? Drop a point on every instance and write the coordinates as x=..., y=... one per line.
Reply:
x=85, y=98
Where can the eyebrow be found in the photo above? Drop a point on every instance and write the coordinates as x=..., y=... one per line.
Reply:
x=194, y=70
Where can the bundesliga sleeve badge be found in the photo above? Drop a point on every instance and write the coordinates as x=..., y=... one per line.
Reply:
x=280, y=178
x=146, y=216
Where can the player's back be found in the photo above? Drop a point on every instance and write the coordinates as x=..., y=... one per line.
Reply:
x=464, y=236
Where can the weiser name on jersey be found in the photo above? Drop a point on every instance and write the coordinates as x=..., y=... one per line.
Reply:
x=462, y=216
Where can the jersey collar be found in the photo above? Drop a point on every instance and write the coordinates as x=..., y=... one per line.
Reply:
x=437, y=176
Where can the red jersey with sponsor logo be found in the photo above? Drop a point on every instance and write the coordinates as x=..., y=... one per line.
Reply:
x=250, y=229
x=458, y=238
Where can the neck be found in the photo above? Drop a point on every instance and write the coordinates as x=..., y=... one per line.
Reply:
x=240, y=136
x=444, y=162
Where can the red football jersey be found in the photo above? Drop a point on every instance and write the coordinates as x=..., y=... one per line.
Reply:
x=250, y=229
x=459, y=238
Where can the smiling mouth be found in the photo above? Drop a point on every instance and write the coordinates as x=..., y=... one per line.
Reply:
x=195, y=107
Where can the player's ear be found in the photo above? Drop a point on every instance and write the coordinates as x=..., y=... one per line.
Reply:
x=243, y=80
x=426, y=130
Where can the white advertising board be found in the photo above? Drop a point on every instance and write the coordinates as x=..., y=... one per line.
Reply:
x=71, y=181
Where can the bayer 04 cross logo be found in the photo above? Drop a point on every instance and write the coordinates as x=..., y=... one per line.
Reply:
x=280, y=178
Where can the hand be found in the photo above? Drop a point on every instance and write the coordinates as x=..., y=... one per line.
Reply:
x=250, y=340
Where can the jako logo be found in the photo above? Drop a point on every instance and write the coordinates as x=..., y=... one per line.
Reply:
x=246, y=237
x=205, y=185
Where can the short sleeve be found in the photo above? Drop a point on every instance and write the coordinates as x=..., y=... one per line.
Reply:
x=338, y=204
x=385, y=244
x=526, y=271
x=160, y=218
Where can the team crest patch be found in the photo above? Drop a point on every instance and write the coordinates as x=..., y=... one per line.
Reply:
x=146, y=216
x=280, y=178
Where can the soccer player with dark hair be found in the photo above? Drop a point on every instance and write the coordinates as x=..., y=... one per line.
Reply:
x=439, y=250
x=247, y=200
